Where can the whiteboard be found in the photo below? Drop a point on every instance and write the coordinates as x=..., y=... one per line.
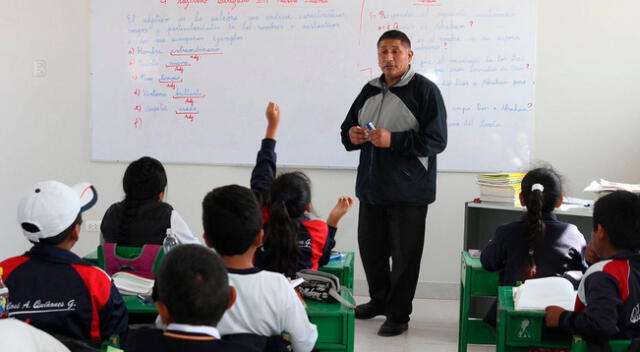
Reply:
x=187, y=81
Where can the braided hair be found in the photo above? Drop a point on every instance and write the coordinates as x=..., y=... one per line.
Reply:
x=289, y=198
x=541, y=190
x=143, y=181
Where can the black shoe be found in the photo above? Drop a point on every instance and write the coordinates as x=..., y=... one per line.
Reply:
x=368, y=311
x=390, y=328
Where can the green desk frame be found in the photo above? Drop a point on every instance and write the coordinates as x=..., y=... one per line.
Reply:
x=335, y=322
x=474, y=282
x=521, y=330
x=342, y=268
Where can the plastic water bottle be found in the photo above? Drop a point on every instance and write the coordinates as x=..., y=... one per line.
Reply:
x=170, y=241
x=4, y=298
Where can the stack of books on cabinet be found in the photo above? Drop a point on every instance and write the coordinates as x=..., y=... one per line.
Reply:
x=500, y=187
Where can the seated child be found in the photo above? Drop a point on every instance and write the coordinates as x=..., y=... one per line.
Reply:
x=293, y=241
x=142, y=217
x=608, y=302
x=15, y=332
x=266, y=304
x=52, y=288
x=193, y=293
x=538, y=245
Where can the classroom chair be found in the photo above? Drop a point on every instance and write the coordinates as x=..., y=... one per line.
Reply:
x=127, y=255
x=579, y=345
x=474, y=282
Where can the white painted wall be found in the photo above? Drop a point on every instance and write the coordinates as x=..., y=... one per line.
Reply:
x=587, y=123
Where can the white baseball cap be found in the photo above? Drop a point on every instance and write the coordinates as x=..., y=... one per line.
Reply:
x=50, y=207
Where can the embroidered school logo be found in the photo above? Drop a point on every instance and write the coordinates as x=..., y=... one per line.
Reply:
x=635, y=314
x=524, y=332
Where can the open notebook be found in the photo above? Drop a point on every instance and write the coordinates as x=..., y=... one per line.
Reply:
x=537, y=294
x=132, y=284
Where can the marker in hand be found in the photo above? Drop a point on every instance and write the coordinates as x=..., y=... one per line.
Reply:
x=370, y=127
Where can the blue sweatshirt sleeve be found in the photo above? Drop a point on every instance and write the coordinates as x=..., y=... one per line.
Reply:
x=599, y=322
x=494, y=255
x=114, y=318
x=264, y=172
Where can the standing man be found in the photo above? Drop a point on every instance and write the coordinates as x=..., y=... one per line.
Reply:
x=398, y=122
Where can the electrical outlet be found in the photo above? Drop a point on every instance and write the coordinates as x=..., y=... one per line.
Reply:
x=92, y=226
x=39, y=68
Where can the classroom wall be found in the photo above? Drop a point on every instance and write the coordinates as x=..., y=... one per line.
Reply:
x=587, y=118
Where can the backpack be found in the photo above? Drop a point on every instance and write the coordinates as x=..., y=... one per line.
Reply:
x=322, y=287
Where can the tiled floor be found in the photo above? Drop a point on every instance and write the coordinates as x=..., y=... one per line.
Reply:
x=433, y=327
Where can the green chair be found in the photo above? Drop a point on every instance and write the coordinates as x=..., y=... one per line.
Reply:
x=579, y=345
x=475, y=282
x=129, y=253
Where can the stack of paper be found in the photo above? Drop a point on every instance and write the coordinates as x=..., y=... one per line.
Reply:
x=607, y=186
x=500, y=187
x=132, y=284
x=537, y=294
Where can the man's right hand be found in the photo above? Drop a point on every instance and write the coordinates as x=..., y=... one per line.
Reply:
x=358, y=135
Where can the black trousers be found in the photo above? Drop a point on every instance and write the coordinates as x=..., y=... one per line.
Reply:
x=395, y=232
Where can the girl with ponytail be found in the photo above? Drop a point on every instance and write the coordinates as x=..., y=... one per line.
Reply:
x=293, y=239
x=143, y=217
x=537, y=245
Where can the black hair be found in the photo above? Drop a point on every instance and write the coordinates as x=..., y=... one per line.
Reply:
x=619, y=215
x=231, y=219
x=57, y=239
x=143, y=181
x=192, y=282
x=395, y=34
x=538, y=202
x=290, y=196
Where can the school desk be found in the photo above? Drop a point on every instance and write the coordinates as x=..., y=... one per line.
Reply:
x=520, y=330
x=475, y=283
x=335, y=322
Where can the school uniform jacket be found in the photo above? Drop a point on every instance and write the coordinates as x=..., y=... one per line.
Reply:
x=608, y=302
x=56, y=291
x=413, y=111
x=183, y=338
x=562, y=250
x=316, y=238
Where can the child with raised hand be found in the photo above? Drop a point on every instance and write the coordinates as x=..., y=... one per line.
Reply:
x=143, y=217
x=608, y=302
x=537, y=245
x=293, y=240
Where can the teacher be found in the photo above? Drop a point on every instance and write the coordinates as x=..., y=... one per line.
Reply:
x=396, y=179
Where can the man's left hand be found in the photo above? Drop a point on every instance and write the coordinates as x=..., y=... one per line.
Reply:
x=380, y=137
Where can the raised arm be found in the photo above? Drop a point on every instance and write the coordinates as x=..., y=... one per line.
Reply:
x=264, y=171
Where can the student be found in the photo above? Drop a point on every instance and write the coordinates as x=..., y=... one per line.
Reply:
x=51, y=287
x=267, y=304
x=193, y=293
x=608, y=302
x=16, y=335
x=142, y=217
x=293, y=240
x=538, y=245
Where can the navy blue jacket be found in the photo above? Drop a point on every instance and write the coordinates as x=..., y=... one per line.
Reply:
x=316, y=239
x=413, y=111
x=608, y=302
x=158, y=341
x=56, y=291
x=562, y=250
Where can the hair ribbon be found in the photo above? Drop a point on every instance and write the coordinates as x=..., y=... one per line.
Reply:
x=537, y=187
